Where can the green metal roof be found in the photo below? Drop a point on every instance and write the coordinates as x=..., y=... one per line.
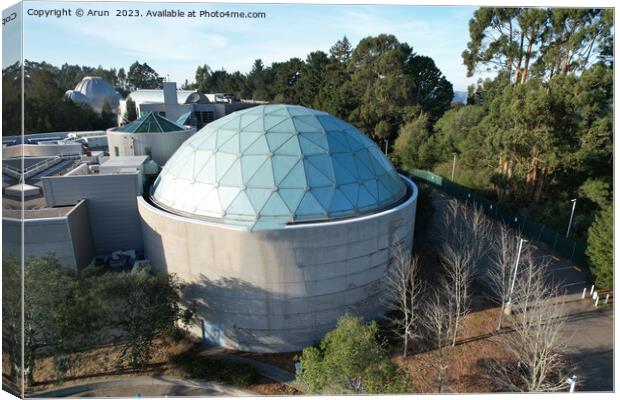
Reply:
x=268, y=166
x=151, y=122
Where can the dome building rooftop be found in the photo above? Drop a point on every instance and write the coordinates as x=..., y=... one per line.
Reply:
x=150, y=122
x=98, y=91
x=273, y=165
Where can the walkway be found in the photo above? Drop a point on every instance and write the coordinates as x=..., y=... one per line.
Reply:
x=267, y=370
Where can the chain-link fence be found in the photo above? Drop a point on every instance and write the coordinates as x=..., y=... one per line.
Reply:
x=556, y=242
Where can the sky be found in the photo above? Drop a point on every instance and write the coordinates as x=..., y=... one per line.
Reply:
x=174, y=47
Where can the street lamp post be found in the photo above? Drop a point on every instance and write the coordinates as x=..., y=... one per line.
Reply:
x=508, y=306
x=453, y=165
x=570, y=221
x=386, y=146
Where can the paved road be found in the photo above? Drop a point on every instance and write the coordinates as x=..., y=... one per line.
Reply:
x=589, y=330
x=146, y=386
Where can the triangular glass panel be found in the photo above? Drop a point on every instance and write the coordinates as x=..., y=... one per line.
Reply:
x=336, y=144
x=271, y=120
x=250, y=164
x=208, y=142
x=282, y=165
x=364, y=198
x=324, y=196
x=276, y=140
x=340, y=202
x=247, y=138
x=251, y=123
x=232, y=123
x=371, y=186
x=351, y=192
x=296, y=178
x=315, y=177
x=258, y=147
x=354, y=141
x=297, y=110
x=207, y=173
x=305, y=124
x=308, y=147
x=309, y=206
x=327, y=121
x=231, y=146
x=258, y=197
x=224, y=136
x=241, y=205
x=274, y=206
x=223, y=161
x=227, y=195
x=278, y=111
x=320, y=139
x=347, y=161
x=343, y=175
x=263, y=177
x=291, y=197
x=211, y=203
x=285, y=126
x=365, y=171
x=323, y=163
x=233, y=175
x=290, y=147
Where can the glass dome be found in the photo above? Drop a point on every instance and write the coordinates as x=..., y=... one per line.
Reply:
x=272, y=165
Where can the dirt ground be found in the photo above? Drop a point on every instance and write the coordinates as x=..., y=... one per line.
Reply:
x=103, y=362
x=466, y=372
x=267, y=387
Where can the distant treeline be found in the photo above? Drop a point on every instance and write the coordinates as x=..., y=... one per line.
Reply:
x=377, y=86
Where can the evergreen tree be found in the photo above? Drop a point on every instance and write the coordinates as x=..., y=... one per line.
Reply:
x=601, y=248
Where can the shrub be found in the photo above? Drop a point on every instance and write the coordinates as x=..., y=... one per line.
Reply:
x=235, y=373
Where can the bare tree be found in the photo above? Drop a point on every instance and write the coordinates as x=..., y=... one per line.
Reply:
x=436, y=319
x=403, y=288
x=455, y=282
x=504, y=248
x=537, y=344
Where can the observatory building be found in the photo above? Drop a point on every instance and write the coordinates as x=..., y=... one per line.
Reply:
x=280, y=219
x=95, y=91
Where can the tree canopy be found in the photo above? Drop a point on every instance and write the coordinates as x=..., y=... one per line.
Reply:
x=351, y=359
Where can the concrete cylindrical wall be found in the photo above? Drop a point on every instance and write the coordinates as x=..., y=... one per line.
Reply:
x=277, y=290
x=160, y=145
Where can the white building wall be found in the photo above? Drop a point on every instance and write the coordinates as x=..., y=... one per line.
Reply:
x=277, y=290
x=162, y=145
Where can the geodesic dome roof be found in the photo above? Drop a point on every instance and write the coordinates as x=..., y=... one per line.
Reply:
x=271, y=165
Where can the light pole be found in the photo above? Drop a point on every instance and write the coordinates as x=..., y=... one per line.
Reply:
x=570, y=221
x=386, y=146
x=508, y=306
x=453, y=165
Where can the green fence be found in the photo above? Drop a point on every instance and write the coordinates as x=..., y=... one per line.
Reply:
x=556, y=242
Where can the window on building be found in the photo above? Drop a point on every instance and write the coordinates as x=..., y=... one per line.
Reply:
x=116, y=152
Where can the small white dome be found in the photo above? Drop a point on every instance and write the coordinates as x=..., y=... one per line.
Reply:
x=98, y=91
